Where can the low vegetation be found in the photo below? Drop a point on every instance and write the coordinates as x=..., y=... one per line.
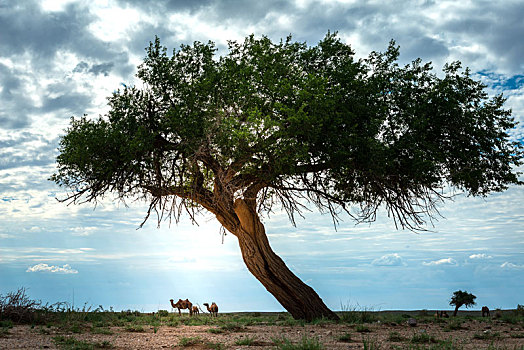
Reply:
x=74, y=328
x=247, y=340
x=305, y=343
x=70, y=343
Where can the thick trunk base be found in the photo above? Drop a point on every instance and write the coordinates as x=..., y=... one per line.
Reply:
x=299, y=299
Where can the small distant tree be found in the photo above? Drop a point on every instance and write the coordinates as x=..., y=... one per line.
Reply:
x=460, y=298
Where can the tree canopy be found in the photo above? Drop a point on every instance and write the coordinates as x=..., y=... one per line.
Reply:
x=296, y=122
x=461, y=298
x=286, y=124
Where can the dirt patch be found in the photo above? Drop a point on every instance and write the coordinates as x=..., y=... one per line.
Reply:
x=471, y=334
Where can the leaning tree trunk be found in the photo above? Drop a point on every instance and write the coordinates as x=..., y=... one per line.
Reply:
x=456, y=310
x=299, y=299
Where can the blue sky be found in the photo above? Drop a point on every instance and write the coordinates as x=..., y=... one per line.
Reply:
x=63, y=58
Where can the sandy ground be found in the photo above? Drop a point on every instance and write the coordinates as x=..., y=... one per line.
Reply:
x=498, y=335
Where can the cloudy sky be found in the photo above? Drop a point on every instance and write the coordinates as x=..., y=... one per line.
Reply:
x=63, y=58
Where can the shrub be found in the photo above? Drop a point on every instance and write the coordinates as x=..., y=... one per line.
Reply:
x=18, y=307
x=453, y=325
x=357, y=314
x=6, y=324
x=72, y=343
x=162, y=313
x=346, y=337
x=215, y=346
x=101, y=330
x=423, y=338
x=370, y=344
x=305, y=343
x=4, y=332
x=362, y=329
x=189, y=341
x=519, y=310
x=215, y=330
x=247, y=340
x=231, y=327
x=134, y=328
x=486, y=335
x=395, y=336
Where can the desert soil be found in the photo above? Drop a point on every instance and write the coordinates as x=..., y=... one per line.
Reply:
x=379, y=335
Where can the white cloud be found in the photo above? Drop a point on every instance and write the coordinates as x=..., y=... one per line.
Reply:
x=508, y=265
x=83, y=231
x=66, y=269
x=480, y=256
x=389, y=260
x=448, y=261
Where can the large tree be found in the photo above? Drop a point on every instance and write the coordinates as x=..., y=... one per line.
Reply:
x=283, y=125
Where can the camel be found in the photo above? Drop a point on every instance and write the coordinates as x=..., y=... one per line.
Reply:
x=440, y=314
x=485, y=311
x=195, y=310
x=182, y=304
x=213, y=309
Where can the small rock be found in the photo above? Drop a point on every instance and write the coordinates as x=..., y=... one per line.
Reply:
x=329, y=332
x=412, y=322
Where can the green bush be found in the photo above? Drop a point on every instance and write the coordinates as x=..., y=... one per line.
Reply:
x=231, y=327
x=6, y=324
x=247, y=340
x=101, y=330
x=346, y=337
x=453, y=325
x=423, y=338
x=215, y=330
x=162, y=313
x=4, y=332
x=134, y=328
x=362, y=329
x=395, y=337
x=215, y=346
x=64, y=342
x=357, y=314
x=370, y=344
x=486, y=335
x=305, y=343
x=519, y=310
x=189, y=341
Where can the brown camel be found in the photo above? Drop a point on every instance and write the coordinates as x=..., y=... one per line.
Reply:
x=213, y=309
x=182, y=304
x=440, y=314
x=485, y=311
x=195, y=310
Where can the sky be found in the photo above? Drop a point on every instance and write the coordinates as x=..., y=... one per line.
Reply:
x=63, y=58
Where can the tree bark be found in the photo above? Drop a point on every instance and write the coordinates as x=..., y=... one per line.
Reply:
x=300, y=300
x=456, y=310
